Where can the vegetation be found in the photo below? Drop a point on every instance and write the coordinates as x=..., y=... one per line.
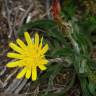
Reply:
x=71, y=37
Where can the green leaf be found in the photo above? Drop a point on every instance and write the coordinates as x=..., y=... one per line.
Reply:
x=49, y=28
x=84, y=83
x=63, y=52
x=92, y=88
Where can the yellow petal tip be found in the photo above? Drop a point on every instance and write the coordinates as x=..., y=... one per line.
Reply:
x=33, y=79
x=7, y=65
x=18, y=77
x=8, y=54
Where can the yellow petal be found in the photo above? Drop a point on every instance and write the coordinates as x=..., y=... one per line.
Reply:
x=28, y=38
x=21, y=43
x=21, y=74
x=44, y=61
x=28, y=73
x=40, y=46
x=13, y=64
x=42, y=67
x=14, y=55
x=44, y=49
x=15, y=48
x=34, y=74
x=36, y=39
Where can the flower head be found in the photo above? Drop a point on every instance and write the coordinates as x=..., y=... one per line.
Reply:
x=29, y=56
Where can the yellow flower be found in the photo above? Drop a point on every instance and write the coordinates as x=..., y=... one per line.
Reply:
x=29, y=56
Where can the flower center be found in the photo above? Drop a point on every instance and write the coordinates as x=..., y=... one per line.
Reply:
x=32, y=57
